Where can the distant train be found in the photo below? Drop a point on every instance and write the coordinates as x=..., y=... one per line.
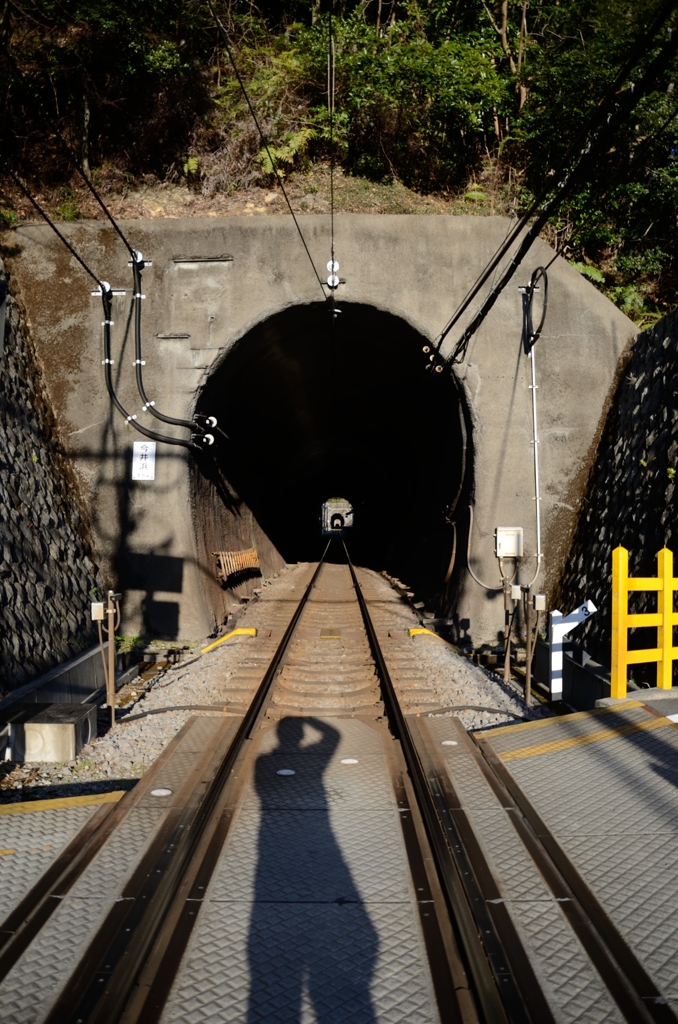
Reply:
x=337, y=516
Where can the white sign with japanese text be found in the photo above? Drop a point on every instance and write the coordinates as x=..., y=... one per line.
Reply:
x=143, y=460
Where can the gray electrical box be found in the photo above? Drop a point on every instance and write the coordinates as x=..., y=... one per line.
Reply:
x=508, y=542
x=47, y=732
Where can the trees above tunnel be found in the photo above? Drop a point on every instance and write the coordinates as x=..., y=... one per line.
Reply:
x=477, y=101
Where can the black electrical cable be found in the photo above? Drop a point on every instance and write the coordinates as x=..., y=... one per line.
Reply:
x=531, y=334
x=17, y=181
x=107, y=295
x=576, y=148
x=137, y=298
x=264, y=141
x=183, y=707
x=605, y=119
x=107, y=300
x=69, y=150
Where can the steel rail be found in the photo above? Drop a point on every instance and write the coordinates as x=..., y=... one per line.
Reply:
x=496, y=988
x=628, y=982
x=127, y=971
x=105, y=980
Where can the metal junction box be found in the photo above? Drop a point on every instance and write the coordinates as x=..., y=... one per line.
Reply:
x=46, y=732
x=337, y=515
x=508, y=542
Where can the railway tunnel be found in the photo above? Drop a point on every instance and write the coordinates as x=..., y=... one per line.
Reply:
x=312, y=405
x=311, y=408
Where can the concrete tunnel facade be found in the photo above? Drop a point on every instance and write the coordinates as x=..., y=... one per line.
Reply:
x=309, y=406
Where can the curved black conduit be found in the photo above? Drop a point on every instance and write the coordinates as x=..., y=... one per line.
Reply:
x=149, y=406
x=107, y=301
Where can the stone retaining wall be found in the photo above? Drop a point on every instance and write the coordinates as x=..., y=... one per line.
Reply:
x=631, y=495
x=47, y=570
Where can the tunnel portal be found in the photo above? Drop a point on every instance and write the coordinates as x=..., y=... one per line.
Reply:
x=311, y=405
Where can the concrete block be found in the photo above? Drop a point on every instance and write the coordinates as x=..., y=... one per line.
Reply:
x=47, y=732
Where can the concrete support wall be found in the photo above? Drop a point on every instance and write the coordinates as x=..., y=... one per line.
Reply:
x=416, y=267
x=631, y=497
x=46, y=566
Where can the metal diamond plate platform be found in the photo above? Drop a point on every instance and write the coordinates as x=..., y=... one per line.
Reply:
x=311, y=914
x=611, y=803
x=29, y=843
x=570, y=983
x=30, y=988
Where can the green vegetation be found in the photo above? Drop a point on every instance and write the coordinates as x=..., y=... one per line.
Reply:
x=128, y=643
x=475, y=102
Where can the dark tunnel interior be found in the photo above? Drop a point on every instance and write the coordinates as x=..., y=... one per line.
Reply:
x=315, y=407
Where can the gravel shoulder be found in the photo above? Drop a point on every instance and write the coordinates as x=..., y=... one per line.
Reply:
x=117, y=759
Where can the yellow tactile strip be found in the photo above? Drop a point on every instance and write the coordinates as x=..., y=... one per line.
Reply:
x=578, y=715
x=599, y=735
x=65, y=801
x=565, y=727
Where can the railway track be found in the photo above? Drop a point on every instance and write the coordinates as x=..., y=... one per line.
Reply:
x=310, y=859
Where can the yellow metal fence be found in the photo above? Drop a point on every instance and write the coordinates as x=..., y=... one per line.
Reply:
x=664, y=619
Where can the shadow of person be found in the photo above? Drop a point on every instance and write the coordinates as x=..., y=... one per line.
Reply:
x=309, y=930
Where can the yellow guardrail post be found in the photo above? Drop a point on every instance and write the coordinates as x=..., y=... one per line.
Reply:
x=664, y=619
x=620, y=609
x=665, y=609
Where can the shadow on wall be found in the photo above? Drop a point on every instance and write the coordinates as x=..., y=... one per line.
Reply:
x=152, y=573
x=309, y=930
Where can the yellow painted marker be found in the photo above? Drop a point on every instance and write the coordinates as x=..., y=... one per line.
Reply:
x=429, y=632
x=29, y=806
x=245, y=631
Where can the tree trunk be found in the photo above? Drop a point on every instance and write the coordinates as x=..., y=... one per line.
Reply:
x=503, y=36
x=5, y=22
x=522, y=43
x=85, y=138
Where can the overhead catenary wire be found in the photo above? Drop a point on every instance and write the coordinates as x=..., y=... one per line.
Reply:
x=106, y=293
x=103, y=285
x=330, y=106
x=103, y=288
x=264, y=141
x=590, y=140
x=71, y=154
x=34, y=202
x=332, y=266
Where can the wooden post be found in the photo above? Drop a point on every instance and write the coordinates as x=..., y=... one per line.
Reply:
x=620, y=631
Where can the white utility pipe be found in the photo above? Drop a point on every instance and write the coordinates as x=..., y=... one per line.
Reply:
x=535, y=443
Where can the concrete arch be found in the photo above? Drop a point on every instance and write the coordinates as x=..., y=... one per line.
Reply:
x=310, y=406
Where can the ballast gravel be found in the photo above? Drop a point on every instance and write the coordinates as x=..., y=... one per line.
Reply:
x=121, y=756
